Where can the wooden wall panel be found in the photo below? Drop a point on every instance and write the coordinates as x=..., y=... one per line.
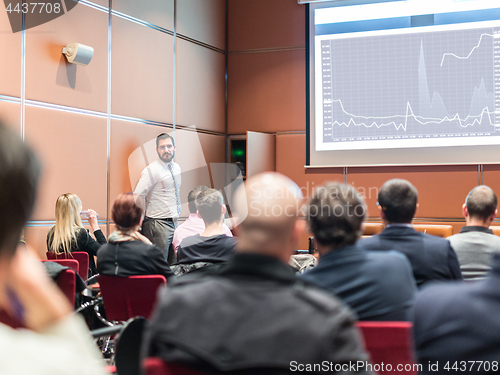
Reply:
x=491, y=177
x=157, y=12
x=200, y=87
x=261, y=151
x=258, y=24
x=203, y=20
x=290, y=161
x=266, y=92
x=50, y=78
x=72, y=150
x=10, y=115
x=141, y=72
x=10, y=58
x=442, y=189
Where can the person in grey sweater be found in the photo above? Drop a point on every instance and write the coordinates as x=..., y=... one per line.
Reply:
x=476, y=243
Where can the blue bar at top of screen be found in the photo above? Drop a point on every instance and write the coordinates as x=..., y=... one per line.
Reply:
x=396, y=9
x=405, y=22
x=359, y=26
x=465, y=17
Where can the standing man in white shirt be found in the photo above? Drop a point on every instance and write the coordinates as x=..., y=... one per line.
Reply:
x=159, y=188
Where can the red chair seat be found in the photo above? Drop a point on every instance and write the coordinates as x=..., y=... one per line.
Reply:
x=81, y=256
x=127, y=297
x=156, y=366
x=389, y=343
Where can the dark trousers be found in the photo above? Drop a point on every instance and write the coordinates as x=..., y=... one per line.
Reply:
x=161, y=232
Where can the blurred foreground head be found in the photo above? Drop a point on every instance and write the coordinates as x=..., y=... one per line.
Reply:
x=19, y=171
x=268, y=206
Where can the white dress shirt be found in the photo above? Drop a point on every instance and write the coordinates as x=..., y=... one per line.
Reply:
x=156, y=187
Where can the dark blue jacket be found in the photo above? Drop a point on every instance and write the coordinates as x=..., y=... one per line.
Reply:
x=432, y=258
x=377, y=286
x=459, y=322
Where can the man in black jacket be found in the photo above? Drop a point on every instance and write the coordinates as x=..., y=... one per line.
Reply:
x=253, y=315
x=431, y=258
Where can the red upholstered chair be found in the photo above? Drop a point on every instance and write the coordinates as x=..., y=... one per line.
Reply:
x=67, y=278
x=81, y=256
x=390, y=343
x=156, y=366
x=126, y=297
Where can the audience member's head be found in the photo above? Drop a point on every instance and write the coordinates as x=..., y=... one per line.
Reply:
x=397, y=201
x=126, y=213
x=481, y=204
x=267, y=207
x=19, y=172
x=335, y=214
x=192, y=198
x=68, y=207
x=210, y=205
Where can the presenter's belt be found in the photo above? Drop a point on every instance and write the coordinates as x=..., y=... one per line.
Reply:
x=160, y=218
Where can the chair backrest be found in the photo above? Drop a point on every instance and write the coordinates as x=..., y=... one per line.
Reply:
x=156, y=366
x=81, y=256
x=66, y=281
x=71, y=263
x=390, y=343
x=496, y=230
x=369, y=229
x=126, y=297
x=435, y=229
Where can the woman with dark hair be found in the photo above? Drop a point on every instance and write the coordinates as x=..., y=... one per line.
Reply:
x=128, y=252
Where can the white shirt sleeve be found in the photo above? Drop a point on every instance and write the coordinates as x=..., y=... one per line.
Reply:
x=148, y=179
x=64, y=348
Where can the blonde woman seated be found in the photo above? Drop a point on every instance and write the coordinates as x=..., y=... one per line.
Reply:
x=128, y=252
x=69, y=235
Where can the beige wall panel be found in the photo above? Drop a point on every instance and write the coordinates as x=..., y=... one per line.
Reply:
x=72, y=149
x=200, y=87
x=104, y=3
x=126, y=139
x=203, y=20
x=157, y=12
x=142, y=72
x=442, y=189
x=10, y=58
x=266, y=92
x=214, y=148
x=50, y=78
x=191, y=157
x=255, y=24
x=491, y=177
x=261, y=153
x=10, y=115
x=290, y=161
x=36, y=237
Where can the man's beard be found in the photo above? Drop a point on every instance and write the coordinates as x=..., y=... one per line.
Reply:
x=166, y=157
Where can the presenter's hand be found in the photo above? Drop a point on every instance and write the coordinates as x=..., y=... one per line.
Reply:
x=93, y=220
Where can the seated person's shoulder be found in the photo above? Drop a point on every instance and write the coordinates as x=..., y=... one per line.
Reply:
x=317, y=298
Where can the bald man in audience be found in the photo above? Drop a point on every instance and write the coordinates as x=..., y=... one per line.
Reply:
x=252, y=315
x=476, y=243
x=376, y=285
x=431, y=258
